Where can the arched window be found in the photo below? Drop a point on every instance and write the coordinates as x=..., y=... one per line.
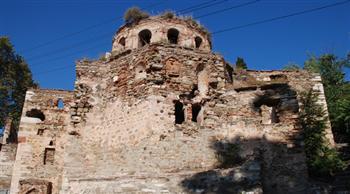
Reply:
x=122, y=41
x=198, y=40
x=60, y=104
x=173, y=35
x=35, y=113
x=144, y=37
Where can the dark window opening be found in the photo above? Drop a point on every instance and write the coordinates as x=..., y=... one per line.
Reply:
x=196, y=108
x=35, y=113
x=60, y=104
x=51, y=143
x=278, y=77
x=274, y=115
x=49, y=156
x=179, y=112
x=122, y=41
x=40, y=132
x=198, y=40
x=173, y=35
x=144, y=37
x=0, y=146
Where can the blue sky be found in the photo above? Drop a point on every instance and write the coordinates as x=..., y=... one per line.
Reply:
x=30, y=23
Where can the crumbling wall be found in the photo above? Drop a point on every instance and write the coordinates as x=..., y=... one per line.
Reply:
x=39, y=160
x=166, y=119
x=7, y=158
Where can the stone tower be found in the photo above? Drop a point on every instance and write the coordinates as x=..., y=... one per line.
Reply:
x=164, y=114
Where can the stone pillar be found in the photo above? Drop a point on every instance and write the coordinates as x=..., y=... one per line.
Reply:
x=318, y=89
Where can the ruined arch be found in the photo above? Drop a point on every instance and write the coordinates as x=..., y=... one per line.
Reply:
x=35, y=113
x=144, y=37
x=172, y=67
x=173, y=35
x=198, y=41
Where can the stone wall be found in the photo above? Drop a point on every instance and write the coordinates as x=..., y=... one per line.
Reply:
x=162, y=118
x=39, y=160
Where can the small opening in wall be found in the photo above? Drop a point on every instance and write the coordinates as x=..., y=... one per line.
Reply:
x=173, y=36
x=268, y=108
x=60, y=104
x=35, y=113
x=50, y=103
x=122, y=41
x=40, y=132
x=0, y=146
x=196, y=108
x=144, y=37
x=51, y=143
x=32, y=191
x=49, y=156
x=179, y=112
x=198, y=40
x=274, y=115
x=140, y=71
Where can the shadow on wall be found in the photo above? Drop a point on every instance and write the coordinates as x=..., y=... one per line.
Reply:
x=260, y=165
x=251, y=165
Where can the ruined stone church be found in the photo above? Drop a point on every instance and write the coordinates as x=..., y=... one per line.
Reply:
x=162, y=113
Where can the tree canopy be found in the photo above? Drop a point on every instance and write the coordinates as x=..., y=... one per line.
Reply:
x=16, y=78
x=337, y=89
x=240, y=63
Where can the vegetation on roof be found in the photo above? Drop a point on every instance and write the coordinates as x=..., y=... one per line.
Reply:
x=134, y=15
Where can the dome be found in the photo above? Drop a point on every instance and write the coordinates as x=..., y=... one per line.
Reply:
x=157, y=29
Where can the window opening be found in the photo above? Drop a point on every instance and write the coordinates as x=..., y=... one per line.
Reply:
x=40, y=132
x=196, y=108
x=122, y=41
x=144, y=37
x=49, y=156
x=35, y=113
x=179, y=112
x=60, y=104
x=198, y=40
x=173, y=36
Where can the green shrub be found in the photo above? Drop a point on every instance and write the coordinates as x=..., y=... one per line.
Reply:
x=134, y=14
x=168, y=15
x=322, y=160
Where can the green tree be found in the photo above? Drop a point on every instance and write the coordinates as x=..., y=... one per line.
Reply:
x=337, y=90
x=240, y=63
x=16, y=78
x=322, y=160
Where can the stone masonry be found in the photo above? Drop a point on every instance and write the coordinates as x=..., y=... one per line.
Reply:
x=162, y=113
